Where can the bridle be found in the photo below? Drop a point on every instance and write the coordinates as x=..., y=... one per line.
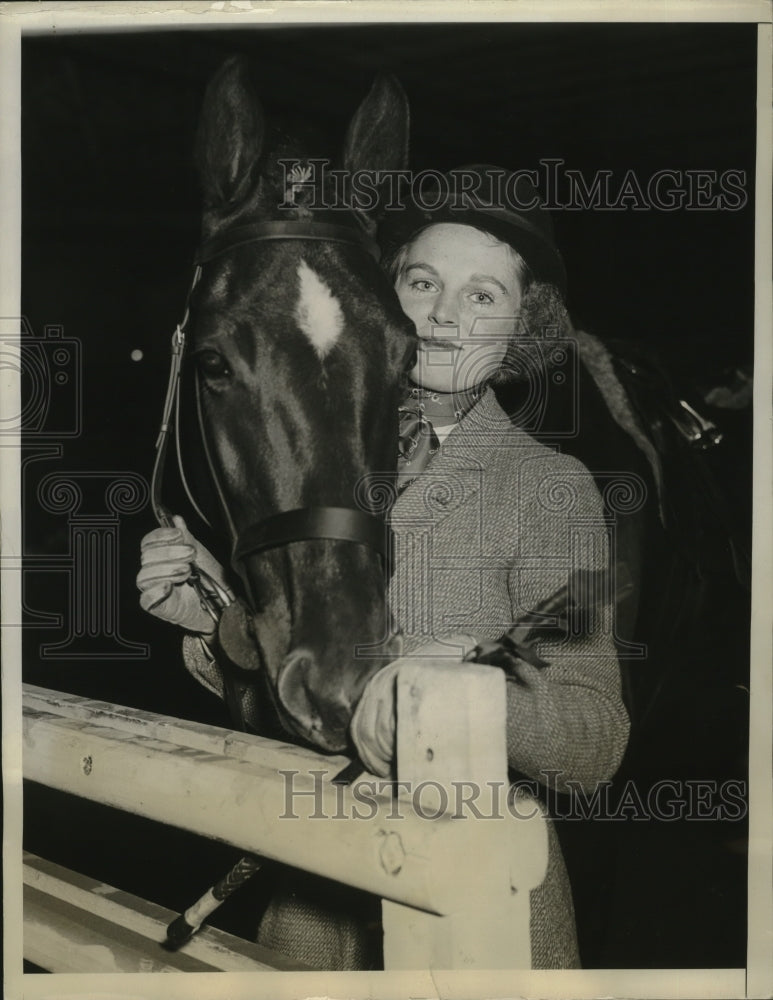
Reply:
x=302, y=524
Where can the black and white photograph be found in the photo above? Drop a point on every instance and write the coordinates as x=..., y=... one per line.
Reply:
x=386, y=442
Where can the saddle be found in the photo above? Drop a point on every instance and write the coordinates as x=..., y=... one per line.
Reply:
x=684, y=547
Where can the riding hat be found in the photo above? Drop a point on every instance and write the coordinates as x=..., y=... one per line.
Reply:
x=503, y=203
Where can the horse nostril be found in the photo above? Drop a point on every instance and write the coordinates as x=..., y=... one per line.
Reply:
x=316, y=717
x=293, y=681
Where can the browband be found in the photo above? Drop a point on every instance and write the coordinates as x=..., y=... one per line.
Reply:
x=289, y=230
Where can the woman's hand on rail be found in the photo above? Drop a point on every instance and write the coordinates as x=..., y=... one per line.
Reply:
x=167, y=557
x=374, y=723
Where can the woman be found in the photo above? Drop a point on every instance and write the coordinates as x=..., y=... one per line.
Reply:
x=488, y=523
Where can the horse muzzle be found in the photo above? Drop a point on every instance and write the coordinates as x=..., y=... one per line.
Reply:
x=319, y=704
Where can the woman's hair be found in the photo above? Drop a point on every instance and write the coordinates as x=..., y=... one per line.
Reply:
x=541, y=321
x=541, y=317
x=394, y=262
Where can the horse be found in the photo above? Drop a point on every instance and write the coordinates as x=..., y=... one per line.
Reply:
x=296, y=351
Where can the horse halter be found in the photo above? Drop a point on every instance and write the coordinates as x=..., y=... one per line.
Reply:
x=302, y=524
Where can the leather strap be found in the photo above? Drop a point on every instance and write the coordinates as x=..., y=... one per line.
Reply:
x=161, y=512
x=337, y=523
x=169, y=416
x=324, y=231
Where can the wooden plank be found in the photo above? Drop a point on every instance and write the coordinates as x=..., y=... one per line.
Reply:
x=455, y=888
x=75, y=924
x=195, y=735
x=452, y=731
x=226, y=791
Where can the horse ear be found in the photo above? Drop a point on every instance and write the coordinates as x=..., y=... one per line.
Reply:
x=230, y=135
x=377, y=138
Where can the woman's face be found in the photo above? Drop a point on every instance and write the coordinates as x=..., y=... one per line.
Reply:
x=461, y=289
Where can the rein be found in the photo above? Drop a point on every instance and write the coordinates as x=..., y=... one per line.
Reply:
x=302, y=524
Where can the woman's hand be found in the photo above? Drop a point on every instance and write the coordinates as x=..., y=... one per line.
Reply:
x=166, y=556
x=374, y=722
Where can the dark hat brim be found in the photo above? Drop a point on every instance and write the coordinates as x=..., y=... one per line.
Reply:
x=529, y=233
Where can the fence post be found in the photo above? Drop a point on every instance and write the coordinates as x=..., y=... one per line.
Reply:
x=451, y=744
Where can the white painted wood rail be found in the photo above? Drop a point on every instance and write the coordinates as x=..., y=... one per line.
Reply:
x=451, y=861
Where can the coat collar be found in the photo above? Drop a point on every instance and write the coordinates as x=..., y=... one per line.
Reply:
x=455, y=474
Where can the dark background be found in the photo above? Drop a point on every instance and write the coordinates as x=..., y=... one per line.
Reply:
x=110, y=221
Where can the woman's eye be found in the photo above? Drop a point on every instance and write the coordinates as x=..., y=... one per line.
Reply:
x=482, y=298
x=422, y=285
x=212, y=365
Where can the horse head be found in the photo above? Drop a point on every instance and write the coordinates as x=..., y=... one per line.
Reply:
x=299, y=350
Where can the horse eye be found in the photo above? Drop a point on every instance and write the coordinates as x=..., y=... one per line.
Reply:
x=212, y=365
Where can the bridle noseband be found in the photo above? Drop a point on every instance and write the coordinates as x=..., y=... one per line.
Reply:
x=302, y=524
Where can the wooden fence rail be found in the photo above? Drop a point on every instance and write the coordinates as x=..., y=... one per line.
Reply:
x=449, y=856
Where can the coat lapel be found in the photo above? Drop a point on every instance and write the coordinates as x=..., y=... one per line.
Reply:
x=455, y=475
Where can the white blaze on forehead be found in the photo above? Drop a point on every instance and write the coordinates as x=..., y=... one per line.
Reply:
x=317, y=312
x=220, y=284
x=232, y=462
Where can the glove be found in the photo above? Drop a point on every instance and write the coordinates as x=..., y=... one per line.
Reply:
x=166, y=557
x=374, y=722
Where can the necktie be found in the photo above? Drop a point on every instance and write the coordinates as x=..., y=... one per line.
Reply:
x=420, y=413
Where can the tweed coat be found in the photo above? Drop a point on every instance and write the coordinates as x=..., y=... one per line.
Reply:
x=493, y=526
